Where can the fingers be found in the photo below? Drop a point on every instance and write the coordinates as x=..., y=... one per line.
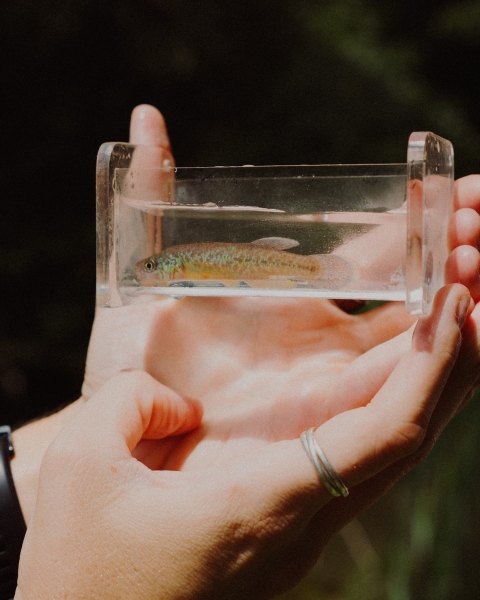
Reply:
x=372, y=439
x=148, y=128
x=456, y=393
x=385, y=322
x=128, y=408
x=149, y=132
x=374, y=442
x=465, y=374
x=467, y=193
x=118, y=341
x=362, y=380
x=396, y=420
x=364, y=376
x=465, y=228
x=463, y=266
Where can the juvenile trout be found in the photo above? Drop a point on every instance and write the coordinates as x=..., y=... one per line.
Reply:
x=260, y=260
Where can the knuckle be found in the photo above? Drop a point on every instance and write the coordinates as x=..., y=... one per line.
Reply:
x=401, y=439
x=408, y=437
x=133, y=383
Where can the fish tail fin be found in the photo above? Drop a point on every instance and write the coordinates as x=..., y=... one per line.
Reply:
x=337, y=273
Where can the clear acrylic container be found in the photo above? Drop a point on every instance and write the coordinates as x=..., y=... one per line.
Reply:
x=371, y=232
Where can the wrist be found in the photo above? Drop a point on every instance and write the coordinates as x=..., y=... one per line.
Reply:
x=30, y=443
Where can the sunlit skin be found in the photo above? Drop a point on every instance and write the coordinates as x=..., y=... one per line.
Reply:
x=262, y=370
x=246, y=358
x=243, y=358
x=105, y=526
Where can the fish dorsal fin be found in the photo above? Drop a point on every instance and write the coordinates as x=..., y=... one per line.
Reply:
x=276, y=243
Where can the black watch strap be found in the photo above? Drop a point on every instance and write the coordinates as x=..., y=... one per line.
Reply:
x=12, y=523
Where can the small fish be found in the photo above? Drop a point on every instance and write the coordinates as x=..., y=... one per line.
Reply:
x=260, y=260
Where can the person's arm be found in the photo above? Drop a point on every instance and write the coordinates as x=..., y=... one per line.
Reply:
x=30, y=443
x=105, y=526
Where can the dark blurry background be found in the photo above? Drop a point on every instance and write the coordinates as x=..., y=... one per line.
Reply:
x=239, y=81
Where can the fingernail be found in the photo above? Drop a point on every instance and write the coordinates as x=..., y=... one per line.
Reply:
x=462, y=310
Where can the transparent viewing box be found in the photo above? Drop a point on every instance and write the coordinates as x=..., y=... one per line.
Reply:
x=371, y=232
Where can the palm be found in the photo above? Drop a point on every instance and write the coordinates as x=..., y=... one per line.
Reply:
x=263, y=369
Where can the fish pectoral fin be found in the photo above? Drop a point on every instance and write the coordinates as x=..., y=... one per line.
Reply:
x=276, y=243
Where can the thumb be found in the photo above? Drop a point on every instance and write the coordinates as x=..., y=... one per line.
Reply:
x=131, y=406
x=84, y=471
x=148, y=128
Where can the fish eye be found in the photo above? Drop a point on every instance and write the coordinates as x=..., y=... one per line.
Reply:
x=149, y=265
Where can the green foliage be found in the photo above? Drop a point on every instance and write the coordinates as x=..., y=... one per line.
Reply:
x=458, y=20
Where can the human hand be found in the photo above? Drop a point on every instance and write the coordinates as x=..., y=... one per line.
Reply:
x=30, y=443
x=245, y=359
x=252, y=356
x=105, y=526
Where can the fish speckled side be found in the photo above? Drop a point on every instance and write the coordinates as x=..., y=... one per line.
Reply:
x=260, y=260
